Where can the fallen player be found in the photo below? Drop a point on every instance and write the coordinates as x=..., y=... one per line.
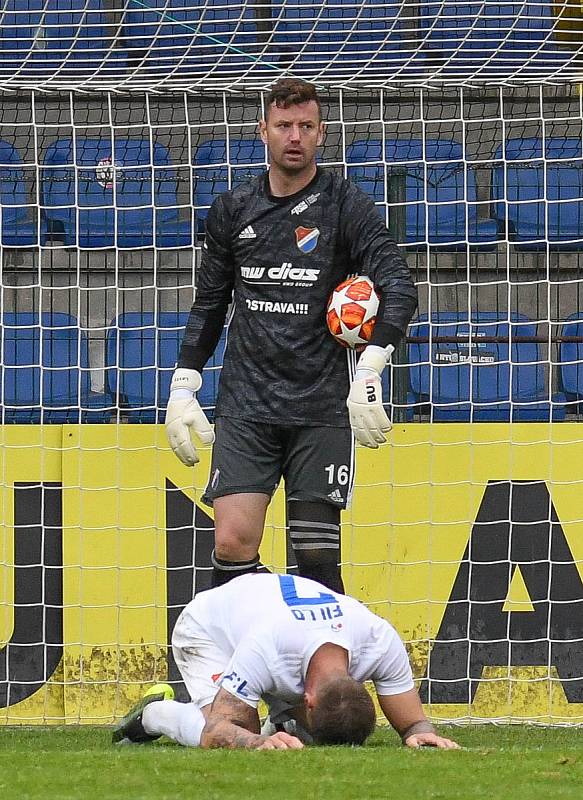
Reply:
x=291, y=642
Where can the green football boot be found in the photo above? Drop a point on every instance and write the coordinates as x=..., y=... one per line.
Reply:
x=130, y=728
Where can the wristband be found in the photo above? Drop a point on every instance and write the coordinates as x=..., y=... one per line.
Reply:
x=423, y=726
x=181, y=394
x=375, y=358
x=186, y=379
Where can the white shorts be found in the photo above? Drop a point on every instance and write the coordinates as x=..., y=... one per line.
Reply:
x=200, y=661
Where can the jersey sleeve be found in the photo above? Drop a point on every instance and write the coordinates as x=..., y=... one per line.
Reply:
x=247, y=676
x=374, y=253
x=214, y=288
x=392, y=673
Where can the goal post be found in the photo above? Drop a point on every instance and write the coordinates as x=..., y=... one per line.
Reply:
x=119, y=124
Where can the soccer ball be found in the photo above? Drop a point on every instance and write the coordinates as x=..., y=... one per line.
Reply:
x=351, y=312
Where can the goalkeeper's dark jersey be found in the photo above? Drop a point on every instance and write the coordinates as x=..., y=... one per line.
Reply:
x=279, y=259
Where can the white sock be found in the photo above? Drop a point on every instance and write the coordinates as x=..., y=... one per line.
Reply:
x=182, y=722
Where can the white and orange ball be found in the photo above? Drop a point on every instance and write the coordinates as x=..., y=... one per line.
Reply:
x=351, y=312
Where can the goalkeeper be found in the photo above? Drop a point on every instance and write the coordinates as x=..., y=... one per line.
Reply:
x=289, y=395
x=305, y=651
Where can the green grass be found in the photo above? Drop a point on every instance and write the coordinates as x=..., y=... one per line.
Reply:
x=497, y=763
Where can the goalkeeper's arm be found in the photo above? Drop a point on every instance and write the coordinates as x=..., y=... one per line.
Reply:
x=203, y=331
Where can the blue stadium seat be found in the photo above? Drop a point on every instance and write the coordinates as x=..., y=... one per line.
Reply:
x=56, y=38
x=489, y=39
x=142, y=351
x=348, y=39
x=540, y=198
x=571, y=360
x=18, y=227
x=191, y=37
x=45, y=371
x=440, y=191
x=504, y=382
x=211, y=172
x=91, y=203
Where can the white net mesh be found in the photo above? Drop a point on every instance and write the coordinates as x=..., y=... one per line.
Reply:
x=118, y=127
x=204, y=46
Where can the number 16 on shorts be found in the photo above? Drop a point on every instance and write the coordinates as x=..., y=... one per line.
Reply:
x=337, y=474
x=338, y=478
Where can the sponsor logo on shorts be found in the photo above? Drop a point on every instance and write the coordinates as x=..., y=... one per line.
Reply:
x=216, y=677
x=307, y=239
x=336, y=496
x=267, y=307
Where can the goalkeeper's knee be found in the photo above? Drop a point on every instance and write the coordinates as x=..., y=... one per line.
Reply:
x=314, y=530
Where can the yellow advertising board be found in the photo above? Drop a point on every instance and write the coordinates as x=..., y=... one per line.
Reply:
x=468, y=538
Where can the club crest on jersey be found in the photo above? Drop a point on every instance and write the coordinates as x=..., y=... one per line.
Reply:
x=307, y=238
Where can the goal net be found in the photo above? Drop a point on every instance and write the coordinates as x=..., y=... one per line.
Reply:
x=119, y=124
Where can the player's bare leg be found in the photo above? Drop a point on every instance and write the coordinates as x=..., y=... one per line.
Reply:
x=239, y=523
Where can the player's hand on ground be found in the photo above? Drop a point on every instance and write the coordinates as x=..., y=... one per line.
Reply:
x=281, y=741
x=430, y=740
x=184, y=414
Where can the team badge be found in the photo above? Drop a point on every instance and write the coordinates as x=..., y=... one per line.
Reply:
x=307, y=239
x=105, y=173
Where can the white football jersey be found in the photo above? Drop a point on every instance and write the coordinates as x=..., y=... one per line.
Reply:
x=271, y=625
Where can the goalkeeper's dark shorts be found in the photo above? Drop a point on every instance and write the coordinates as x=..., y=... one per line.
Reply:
x=316, y=463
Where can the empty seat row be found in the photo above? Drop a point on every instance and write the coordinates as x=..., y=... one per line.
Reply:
x=334, y=38
x=486, y=38
x=485, y=370
x=536, y=190
x=93, y=196
x=488, y=369
x=45, y=373
x=56, y=39
x=141, y=355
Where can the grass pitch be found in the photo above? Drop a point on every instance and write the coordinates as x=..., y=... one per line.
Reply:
x=497, y=763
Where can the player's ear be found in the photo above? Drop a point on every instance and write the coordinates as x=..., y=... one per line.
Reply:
x=321, y=132
x=309, y=700
x=263, y=130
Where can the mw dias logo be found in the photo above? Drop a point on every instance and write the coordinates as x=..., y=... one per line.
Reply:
x=285, y=275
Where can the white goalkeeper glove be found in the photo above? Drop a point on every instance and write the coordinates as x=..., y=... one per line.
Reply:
x=368, y=418
x=183, y=413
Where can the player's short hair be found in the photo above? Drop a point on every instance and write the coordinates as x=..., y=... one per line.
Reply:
x=343, y=713
x=291, y=92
